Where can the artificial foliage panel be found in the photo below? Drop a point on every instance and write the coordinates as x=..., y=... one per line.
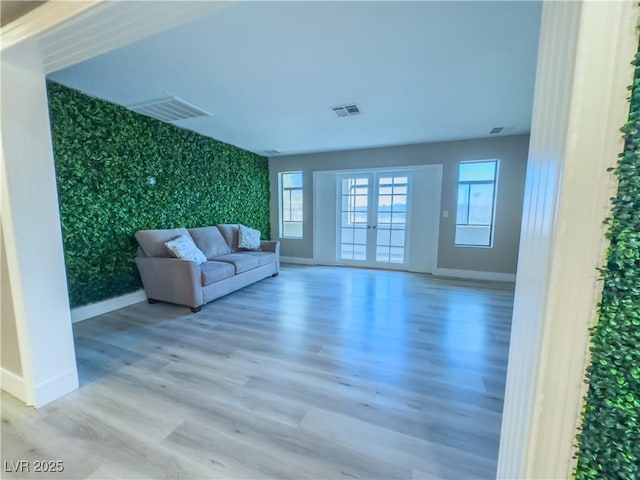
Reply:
x=119, y=172
x=609, y=443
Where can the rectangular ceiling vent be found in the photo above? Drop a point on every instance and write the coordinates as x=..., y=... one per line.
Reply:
x=346, y=110
x=495, y=130
x=168, y=109
x=272, y=152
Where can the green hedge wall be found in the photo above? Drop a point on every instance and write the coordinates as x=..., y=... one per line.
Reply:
x=104, y=157
x=609, y=444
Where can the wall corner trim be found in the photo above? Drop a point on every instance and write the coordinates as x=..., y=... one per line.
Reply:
x=475, y=275
x=94, y=309
x=13, y=384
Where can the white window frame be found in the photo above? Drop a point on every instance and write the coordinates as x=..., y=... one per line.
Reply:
x=492, y=225
x=281, y=191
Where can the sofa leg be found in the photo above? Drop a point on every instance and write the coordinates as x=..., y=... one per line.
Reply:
x=152, y=300
x=196, y=309
x=275, y=274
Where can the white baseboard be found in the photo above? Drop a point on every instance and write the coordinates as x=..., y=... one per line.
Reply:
x=55, y=387
x=95, y=309
x=13, y=384
x=475, y=275
x=298, y=260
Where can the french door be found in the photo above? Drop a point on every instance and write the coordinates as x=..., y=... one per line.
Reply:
x=372, y=218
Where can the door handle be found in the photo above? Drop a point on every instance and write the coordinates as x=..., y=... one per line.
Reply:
x=374, y=226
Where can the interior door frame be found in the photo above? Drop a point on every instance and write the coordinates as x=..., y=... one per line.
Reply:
x=320, y=257
x=372, y=220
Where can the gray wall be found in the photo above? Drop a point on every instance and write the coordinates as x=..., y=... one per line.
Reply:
x=10, y=353
x=511, y=151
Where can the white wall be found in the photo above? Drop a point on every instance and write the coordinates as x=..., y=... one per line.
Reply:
x=31, y=227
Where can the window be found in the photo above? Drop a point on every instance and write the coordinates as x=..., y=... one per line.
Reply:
x=291, y=205
x=476, y=203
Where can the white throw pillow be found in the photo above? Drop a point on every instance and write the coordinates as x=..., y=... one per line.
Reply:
x=248, y=238
x=184, y=248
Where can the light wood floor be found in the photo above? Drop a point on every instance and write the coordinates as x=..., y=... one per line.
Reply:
x=320, y=373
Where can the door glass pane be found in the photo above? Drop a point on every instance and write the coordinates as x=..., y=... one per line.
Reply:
x=384, y=219
x=384, y=202
x=347, y=235
x=359, y=252
x=398, y=220
x=399, y=203
x=391, y=219
x=396, y=255
x=384, y=237
x=397, y=238
x=354, y=205
x=346, y=251
x=360, y=217
x=382, y=254
x=387, y=224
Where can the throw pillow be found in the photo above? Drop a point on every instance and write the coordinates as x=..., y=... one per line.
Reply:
x=184, y=248
x=248, y=238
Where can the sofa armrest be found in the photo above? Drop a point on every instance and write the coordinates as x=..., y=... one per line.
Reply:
x=270, y=246
x=171, y=280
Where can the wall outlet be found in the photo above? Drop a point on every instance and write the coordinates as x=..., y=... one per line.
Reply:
x=445, y=214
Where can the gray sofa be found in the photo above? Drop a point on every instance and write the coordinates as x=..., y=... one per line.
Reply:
x=228, y=268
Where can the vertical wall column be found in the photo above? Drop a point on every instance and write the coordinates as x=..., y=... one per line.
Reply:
x=33, y=241
x=580, y=104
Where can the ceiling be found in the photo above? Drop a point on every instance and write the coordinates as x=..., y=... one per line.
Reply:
x=270, y=72
x=10, y=10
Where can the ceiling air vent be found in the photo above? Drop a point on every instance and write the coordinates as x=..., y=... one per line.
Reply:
x=346, y=110
x=168, y=109
x=272, y=152
x=496, y=130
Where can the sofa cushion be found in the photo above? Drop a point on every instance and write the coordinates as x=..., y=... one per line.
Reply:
x=241, y=261
x=264, y=258
x=184, y=248
x=230, y=233
x=152, y=242
x=248, y=238
x=210, y=241
x=213, y=271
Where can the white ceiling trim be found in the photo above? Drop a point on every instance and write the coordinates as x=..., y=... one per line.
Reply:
x=47, y=38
